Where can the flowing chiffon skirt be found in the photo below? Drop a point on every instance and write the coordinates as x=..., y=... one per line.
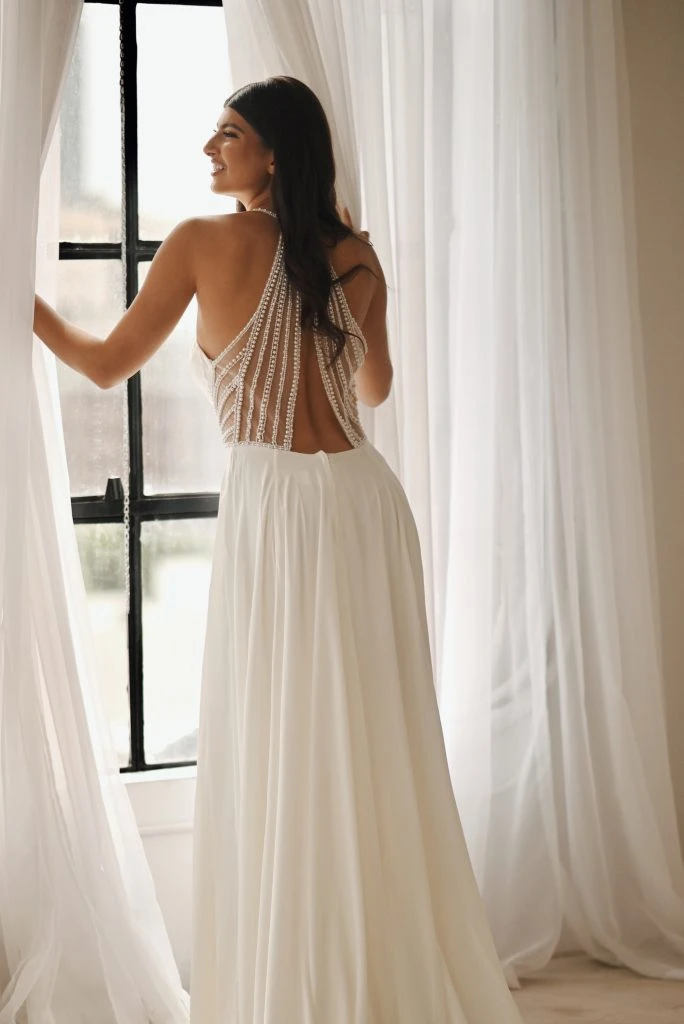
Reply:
x=332, y=883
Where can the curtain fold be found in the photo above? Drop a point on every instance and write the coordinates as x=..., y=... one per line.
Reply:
x=492, y=165
x=81, y=935
x=552, y=683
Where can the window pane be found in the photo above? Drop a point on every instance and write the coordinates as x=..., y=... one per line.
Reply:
x=182, y=85
x=183, y=450
x=90, y=294
x=90, y=132
x=176, y=562
x=101, y=549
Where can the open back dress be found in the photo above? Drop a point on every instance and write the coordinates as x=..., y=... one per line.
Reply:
x=332, y=883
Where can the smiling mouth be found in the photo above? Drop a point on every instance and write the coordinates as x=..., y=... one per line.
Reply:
x=216, y=170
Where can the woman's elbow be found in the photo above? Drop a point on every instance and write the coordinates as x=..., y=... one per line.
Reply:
x=377, y=393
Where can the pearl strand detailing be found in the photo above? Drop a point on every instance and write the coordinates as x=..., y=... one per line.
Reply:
x=339, y=386
x=277, y=306
x=289, y=417
x=264, y=304
x=281, y=381
x=272, y=336
x=285, y=304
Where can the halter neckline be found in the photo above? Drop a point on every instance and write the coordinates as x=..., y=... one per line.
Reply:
x=262, y=209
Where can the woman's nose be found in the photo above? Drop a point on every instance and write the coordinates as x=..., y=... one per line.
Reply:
x=209, y=146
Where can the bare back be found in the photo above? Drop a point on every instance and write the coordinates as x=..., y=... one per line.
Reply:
x=235, y=257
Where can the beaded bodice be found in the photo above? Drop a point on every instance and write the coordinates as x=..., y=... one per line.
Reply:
x=253, y=382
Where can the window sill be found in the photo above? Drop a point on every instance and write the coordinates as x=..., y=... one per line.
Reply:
x=163, y=800
x=160, y=775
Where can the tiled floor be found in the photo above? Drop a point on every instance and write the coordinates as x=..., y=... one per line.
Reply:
x=574, y=988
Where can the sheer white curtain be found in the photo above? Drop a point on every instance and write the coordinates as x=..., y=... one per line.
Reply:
x=81, y=934
x=489, y=144
x=551, y=678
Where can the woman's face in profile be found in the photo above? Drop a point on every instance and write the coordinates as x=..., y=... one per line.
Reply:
x=240, y=163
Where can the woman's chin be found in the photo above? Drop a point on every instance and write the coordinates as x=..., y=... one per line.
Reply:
x=218, y=186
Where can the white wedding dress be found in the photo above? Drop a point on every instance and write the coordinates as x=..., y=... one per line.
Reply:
x=332, y=884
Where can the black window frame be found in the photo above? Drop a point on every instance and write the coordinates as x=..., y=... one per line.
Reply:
x=109, y=508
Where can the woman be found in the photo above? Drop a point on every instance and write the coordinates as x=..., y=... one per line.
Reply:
x=331, y=880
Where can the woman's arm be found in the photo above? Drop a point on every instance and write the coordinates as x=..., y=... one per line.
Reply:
x=374, y=376
x=146, y=324
x=73, y=346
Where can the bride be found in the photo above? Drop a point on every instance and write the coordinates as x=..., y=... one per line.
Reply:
x=331, y=883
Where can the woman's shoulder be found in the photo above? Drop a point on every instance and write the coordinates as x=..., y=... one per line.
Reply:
x=237, y=230
x=238, y=236
x=351, y=250
x=237, y=224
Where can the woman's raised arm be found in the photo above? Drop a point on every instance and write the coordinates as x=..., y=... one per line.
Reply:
x=165, y=295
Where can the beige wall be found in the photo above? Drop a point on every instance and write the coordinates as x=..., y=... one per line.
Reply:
x=654, y=38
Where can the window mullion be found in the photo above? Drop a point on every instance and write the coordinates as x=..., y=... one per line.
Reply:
x=129, y=148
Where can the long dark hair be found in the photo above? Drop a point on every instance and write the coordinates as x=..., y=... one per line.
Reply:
x=289, y=119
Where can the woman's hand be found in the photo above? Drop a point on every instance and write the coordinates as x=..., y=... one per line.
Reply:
x=345, y=217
